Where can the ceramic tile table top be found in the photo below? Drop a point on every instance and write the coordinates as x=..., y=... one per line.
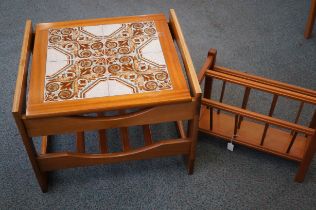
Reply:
x=104, y=64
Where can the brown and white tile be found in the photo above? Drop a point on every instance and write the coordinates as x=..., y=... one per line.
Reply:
x=73, y=81
x=104, y=60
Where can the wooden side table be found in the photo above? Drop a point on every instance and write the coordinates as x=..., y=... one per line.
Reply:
x=95, y=66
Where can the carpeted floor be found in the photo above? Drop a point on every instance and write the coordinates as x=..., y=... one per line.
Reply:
x=261, y=37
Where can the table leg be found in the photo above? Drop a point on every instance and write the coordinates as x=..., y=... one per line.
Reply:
x=30, y=149
x=193, y=128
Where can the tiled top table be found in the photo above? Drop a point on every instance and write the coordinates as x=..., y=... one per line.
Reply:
x=104, y=64
x=126, y=65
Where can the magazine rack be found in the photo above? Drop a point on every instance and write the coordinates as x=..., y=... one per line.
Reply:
x=261, y=132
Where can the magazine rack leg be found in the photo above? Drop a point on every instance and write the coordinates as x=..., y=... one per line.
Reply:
x=310, y=20
x=308, y=157
x=309, y=154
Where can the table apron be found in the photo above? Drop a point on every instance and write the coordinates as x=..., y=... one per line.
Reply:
x=70, y=124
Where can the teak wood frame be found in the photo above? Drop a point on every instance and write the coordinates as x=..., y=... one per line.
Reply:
x=257, y=132
x=310, y=20
x=38, y=106
x=43, y=161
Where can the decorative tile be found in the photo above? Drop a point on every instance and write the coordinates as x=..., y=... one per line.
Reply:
x=151, y=46
x=75, y=80
x=58, y=54
x=55, y=67
x=80, y=42
x=110, y=30
x=120, y=87
x=93, y=31
x=155, y=58
x=104, y=60
x=99, y=89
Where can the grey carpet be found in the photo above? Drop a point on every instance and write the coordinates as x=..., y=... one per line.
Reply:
x=261, y=37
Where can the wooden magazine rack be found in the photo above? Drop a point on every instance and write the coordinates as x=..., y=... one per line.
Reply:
x=285, y=139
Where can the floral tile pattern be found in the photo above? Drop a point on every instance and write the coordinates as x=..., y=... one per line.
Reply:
x=104, y=60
